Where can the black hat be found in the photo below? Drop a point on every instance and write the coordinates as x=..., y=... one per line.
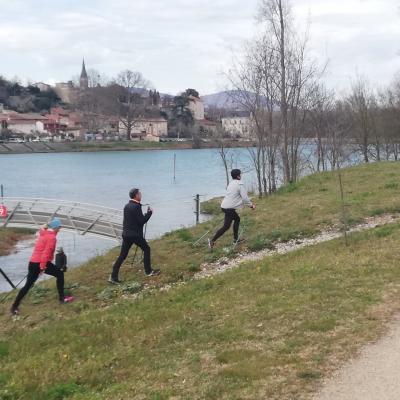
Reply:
x=235, y=173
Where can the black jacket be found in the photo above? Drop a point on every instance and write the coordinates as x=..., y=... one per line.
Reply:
x=134, y=220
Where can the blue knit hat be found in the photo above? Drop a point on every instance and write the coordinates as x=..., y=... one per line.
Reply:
x=55, y=223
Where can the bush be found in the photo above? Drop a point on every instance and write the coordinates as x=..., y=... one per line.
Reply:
x=63, y=391
x=185, y=235
x=4, y=349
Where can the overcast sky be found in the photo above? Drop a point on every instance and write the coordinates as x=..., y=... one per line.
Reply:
x=186, y=43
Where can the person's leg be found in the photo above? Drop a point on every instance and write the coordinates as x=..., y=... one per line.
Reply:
x=59, y=275
x=126, y=246
x=33, y=274
x=142, y=243
x=227, y=224
x=236, y=225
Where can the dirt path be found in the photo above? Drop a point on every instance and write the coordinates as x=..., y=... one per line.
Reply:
x=374, y=375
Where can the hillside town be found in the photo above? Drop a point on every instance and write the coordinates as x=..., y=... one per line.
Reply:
x=87, y=111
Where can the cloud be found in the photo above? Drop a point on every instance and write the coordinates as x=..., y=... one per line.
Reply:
x=182, y=43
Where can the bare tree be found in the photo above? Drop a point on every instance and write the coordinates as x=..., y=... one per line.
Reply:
x=295, y=79
x=361, y=103
x=225, y=153
x=255, y=91
x=132, y=86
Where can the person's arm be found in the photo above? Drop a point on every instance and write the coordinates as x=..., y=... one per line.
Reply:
x=148, y=215
x=140, y=218
x=48, y=252
x=245, y=196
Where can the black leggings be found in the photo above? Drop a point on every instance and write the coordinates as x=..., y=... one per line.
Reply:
x=230, y=216
x=33, y=275
x=127, y=243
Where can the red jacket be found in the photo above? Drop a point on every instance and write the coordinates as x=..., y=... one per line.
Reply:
x=45, y=247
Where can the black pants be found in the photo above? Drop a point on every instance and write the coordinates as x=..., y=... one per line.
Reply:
x=33, y=275
x=127, y=243
x=230, y=216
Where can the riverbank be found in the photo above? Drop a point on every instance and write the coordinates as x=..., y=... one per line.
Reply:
x=9, y=237
x=66, y=147
x=272, y=327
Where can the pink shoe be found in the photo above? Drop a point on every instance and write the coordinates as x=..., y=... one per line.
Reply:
x=68, y=299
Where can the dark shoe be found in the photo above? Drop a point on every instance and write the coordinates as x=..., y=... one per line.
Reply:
x=238, y=241
x=154, y=272
x=14, y=310
x=114, y=281
x=210, y=244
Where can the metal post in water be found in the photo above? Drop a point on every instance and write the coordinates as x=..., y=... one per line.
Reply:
x=197, y=212
x=174, y=166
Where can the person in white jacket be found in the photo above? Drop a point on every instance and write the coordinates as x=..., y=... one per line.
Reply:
x=236, y=197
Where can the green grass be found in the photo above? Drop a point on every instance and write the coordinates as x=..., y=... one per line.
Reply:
x=269, y=329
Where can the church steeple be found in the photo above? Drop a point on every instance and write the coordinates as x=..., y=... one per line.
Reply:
x=83, y=81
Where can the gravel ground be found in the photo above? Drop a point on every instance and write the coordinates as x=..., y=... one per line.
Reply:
x=374, y=375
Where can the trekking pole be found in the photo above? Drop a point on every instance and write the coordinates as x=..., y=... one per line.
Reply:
x=200, y=239
x=15, y=287
x=7, y=278
x=237, y=241
x=137, y=248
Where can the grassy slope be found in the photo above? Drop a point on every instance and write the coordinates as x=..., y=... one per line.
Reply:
x=273, y=331
x=9, y=238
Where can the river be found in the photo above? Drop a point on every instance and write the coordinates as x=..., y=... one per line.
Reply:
x=105, y=178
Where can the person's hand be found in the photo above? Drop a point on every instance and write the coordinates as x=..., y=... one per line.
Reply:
x=253, y=206
x=150, y=210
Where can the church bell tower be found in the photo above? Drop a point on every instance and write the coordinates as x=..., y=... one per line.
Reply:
x=83, y=81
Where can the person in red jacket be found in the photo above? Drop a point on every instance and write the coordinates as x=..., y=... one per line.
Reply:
x=41, y=262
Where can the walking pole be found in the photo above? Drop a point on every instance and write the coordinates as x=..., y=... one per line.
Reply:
x=7, y=278
x=200, y=239
x=137, y=247
x=16, y=286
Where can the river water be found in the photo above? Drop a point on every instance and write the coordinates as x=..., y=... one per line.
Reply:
x=105, y=178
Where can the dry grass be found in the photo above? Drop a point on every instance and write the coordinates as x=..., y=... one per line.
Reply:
x=9, y=237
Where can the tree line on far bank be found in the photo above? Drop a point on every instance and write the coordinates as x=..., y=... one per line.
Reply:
x=282, y=87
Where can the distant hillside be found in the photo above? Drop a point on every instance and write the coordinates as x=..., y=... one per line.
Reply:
x=225, y=99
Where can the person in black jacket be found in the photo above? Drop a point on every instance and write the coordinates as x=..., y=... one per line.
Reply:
x=132, y=233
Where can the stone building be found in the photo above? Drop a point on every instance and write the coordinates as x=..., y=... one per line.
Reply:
x=238, y=125
x=149, y=128
x=196, y=106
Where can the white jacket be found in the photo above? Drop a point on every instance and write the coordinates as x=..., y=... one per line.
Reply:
x=236, y=196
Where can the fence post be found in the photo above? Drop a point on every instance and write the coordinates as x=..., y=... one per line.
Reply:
x=197, y=212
